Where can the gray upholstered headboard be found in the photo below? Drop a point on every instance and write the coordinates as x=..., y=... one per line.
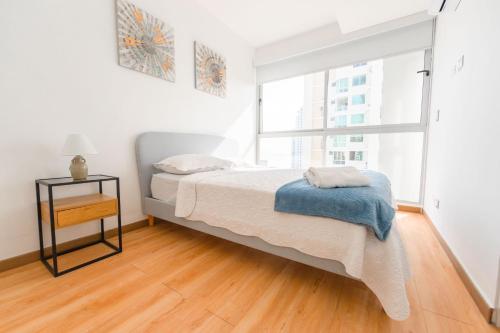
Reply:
x=152, y=147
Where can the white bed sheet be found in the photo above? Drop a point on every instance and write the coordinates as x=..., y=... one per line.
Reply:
x=164, y=186
x=243, y=202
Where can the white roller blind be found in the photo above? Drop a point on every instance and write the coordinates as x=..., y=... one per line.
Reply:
x=411, y=38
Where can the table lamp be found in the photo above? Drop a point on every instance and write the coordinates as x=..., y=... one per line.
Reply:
x=78, y=145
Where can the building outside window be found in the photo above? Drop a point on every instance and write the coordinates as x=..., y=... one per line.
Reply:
x=342, y=85
x=356, y=155
x=356, y=138
x=339, y=157
x=340, y=141
x=357, y=119
x=342, y=103
x=359, y=80
x=361, y=64
x=340, y=121
x=358, y=99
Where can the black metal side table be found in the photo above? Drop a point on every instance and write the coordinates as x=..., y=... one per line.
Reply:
x=74, y=210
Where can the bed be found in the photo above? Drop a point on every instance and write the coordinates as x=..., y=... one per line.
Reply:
x=236, y=205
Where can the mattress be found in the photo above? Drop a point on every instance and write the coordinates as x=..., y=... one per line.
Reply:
x=164, y=186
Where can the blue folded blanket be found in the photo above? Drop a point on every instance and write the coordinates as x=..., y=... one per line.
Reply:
x=369, y=205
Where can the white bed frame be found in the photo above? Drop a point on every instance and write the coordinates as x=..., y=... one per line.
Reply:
x=152, y=147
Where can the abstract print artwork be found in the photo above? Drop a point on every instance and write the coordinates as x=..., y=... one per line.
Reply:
x=145, y=43
x=210, y=71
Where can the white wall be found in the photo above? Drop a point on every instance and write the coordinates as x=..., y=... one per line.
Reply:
x=463, y=163
x=59, y=74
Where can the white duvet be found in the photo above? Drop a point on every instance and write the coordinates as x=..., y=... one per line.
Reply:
x=242, y=201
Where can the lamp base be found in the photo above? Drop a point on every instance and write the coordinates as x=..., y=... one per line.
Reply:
x=78, y=168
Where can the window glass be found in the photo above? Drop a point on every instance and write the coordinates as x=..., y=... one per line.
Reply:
x=340, y=121
x=291, y=152
x=387, y=90
x=342, y=104
x=373, y=93
x=293, y=104
x=339, y=141
x=356, y=138
x=342, y=85
x=358, y=99
x=337, y=157
x=356, y=155
x=359, y=80
x=358, y=119
x=398, y=155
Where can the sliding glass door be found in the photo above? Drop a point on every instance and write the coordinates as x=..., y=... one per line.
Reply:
x=371, y=115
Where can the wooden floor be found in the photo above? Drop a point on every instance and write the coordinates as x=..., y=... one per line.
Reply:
x=171, y=279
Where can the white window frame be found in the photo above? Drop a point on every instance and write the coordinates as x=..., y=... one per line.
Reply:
x=326, y=131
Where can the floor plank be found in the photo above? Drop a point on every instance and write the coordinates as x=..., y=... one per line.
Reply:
x=170, y=278
x=439, y=286
x=440, y=324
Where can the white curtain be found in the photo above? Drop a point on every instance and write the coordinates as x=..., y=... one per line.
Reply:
x=403, y=40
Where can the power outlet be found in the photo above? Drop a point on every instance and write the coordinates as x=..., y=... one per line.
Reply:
x=436, y=203
x=460, y=63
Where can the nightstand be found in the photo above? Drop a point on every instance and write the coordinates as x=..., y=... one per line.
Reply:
x=69, y=211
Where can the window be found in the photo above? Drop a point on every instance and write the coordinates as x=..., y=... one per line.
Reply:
x=359, y=80
x=393, y=93
x=357, y=119
x=342, y=85
x=381, y=126
x=342, y=104
x=340, y=121
x=356, y=155
x=291, y=152
x=398, y=155
x=340, y=141
x=293, y=104
x=358, y=99
x=338, y=157
x=356, y=138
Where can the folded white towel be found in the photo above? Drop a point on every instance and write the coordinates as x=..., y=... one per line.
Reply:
x=327, y=177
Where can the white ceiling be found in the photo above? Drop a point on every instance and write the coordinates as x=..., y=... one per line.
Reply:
x=261, y=22
x=358, y=14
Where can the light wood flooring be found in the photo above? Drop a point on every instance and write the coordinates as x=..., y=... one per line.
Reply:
x=172, y=279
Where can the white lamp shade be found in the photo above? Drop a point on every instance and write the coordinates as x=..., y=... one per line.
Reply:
x=78, y=144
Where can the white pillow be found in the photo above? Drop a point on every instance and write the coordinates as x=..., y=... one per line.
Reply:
x=192, y=163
